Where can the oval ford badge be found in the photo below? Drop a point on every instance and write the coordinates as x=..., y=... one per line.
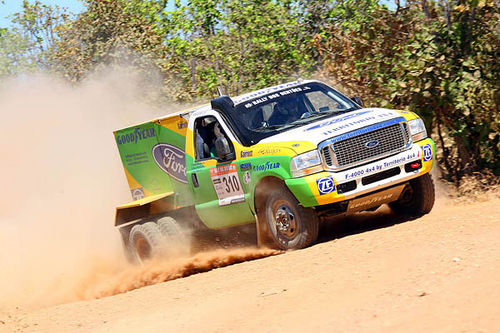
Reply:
x=371, y=144
x=172, y=160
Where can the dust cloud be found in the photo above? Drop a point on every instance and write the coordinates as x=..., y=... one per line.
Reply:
x=158, y=270
x=61, y=179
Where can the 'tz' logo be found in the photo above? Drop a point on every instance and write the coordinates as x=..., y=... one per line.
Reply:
x=325, y=185
x=427, y=152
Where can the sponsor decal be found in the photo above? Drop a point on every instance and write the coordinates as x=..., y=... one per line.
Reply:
x=171, y=160
x=296, y=145
x=246, y=177
x=325, y=185
x=135, y=136
x=269, y=151
x=371, y=144
x=248, y=153
x=267, y=166
x=264, y=92
x=136, y=158
x=336, y=120
x=427, y=149
x=197, y=165
x=227, y=184
x=245, y=166
x=182, y=124
x=137, y=193
x=372, y=201
x=275, y=95
x=354, y=122
x=380, y=166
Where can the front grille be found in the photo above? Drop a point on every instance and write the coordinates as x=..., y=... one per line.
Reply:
x=356, y=149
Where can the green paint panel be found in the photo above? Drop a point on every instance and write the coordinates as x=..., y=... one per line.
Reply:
x=302, y=191
x=154, y=156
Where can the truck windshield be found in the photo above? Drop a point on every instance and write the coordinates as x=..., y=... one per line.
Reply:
x=281, y=110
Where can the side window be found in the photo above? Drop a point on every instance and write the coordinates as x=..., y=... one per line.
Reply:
x=207, y=130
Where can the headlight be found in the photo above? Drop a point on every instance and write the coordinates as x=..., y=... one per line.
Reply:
x=306, y=164
x=417, y=129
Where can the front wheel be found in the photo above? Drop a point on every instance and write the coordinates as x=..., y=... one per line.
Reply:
x=290, y=225
x=417, y=198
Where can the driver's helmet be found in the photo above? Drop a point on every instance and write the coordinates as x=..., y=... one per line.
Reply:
x=288, y=107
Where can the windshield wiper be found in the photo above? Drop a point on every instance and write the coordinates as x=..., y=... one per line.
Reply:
x=272, y=127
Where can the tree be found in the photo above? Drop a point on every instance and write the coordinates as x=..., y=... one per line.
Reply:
x=107, y=32
x=438, y=59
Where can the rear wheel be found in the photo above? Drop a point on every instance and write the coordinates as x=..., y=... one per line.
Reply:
x=290, y=225
x=145, y=241
x=417, y=198
x=177, y=240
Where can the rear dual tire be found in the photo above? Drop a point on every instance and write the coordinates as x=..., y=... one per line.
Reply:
x=165, y=238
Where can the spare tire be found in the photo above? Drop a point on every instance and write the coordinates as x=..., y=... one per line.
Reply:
x=145, y=241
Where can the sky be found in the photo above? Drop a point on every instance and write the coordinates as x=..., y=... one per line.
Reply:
x=10, y=7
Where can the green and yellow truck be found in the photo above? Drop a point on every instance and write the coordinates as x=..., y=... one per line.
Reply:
x=283, y=158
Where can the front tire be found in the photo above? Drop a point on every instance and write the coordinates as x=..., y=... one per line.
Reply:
x=290, y=225
x=417, y=199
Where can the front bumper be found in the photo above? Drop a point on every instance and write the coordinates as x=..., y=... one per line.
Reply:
x=329, y=187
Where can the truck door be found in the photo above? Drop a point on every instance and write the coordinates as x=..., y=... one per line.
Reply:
x=221, y=200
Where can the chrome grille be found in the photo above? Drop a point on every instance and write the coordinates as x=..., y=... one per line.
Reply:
x=390, y=139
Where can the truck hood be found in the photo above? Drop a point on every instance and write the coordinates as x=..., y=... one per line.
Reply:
x=323, y=129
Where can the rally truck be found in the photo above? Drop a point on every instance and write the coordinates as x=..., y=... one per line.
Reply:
x=283, y=158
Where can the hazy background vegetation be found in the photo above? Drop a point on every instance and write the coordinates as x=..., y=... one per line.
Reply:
x=437, y=58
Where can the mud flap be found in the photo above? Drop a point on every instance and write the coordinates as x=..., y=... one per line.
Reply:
x=375, y=199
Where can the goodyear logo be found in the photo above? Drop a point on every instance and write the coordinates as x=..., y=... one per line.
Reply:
x=267, y=166
x=135, y=136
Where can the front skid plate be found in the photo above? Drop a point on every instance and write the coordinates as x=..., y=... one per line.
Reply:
x=375, y=199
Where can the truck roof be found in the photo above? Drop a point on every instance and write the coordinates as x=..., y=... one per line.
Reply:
x=236, y=100
x=266, y=91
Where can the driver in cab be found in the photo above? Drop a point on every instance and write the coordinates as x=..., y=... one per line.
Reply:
x=286, y=111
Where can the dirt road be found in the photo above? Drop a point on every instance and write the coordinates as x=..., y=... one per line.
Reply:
x=371, y=273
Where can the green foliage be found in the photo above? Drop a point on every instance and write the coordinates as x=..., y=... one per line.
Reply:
x=440, y=61
x=37, y=25
x=109, y=31
x=234, y=45
x=14, y=54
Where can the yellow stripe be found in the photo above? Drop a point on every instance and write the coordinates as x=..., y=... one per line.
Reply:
x=134, y=184
x=143, y=201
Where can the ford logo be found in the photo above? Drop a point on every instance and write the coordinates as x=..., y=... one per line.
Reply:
x=171, y=160
x=371, y=144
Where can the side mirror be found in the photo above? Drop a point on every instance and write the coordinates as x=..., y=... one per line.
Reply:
x=357, y=100
x=223, y=149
